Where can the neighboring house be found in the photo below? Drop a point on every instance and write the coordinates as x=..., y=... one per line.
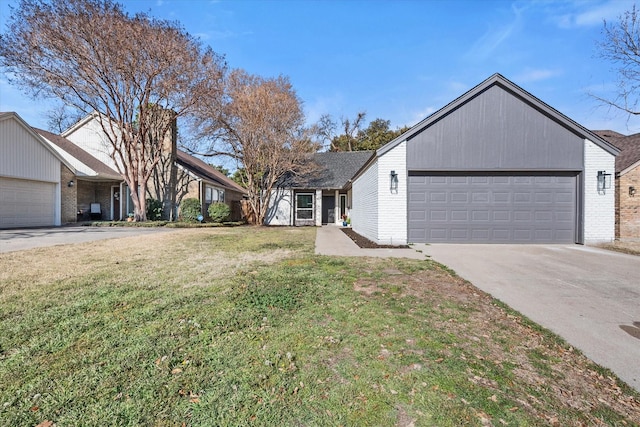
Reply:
x=627, y=183
x=94, y=184
x=209, y=185
x=496, y=165
x=34, y=178
x=320, y=197
x=193, y=177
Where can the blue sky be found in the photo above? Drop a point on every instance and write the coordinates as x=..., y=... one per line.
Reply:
x=399, y=60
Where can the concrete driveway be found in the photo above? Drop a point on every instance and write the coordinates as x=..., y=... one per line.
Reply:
x=29, y=238
x=589, y=296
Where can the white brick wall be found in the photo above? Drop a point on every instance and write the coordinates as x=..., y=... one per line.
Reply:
x=599, y=207
x=364, y=210
x=318, y=208
x=280, y=210
x=378, y=213
x=392, y=219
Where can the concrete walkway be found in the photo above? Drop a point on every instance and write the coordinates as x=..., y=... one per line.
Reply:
x=330, y=240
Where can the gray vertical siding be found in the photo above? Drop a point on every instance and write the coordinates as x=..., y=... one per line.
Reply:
x=495, y=130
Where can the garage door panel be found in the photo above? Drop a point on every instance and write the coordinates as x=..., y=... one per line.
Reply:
x=493, y=208
x=25, y=203
x=438, y=197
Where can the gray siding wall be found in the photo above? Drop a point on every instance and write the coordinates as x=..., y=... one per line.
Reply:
x=495, y=130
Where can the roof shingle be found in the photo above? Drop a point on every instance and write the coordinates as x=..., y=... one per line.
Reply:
x=629, y=148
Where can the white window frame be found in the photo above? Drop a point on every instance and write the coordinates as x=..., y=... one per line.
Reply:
x=312, y=208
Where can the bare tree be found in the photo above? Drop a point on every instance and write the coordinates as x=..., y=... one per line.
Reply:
x=621, y=46
x=95, y=57
x=260, y=123
x=325, y=129
x=60, y=118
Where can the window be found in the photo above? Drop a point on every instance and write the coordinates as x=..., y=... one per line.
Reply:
x=213, y=195
x=304, y=206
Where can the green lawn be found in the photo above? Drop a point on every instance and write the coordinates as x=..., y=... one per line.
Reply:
x=246, y=326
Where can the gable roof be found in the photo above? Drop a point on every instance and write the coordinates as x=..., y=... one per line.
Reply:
x=79, y=124
x=629, y=146
x=15, y=116
x=509, y=86
x=334, y=170
x=100, y=169
x=207, y=172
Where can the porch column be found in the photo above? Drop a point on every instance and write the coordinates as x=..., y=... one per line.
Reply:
x=336, y=209
x=318, y=208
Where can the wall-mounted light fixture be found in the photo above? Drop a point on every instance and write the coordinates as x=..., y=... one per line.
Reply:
x=632, y=191
x=604, y=181
x=394, y=182
x=71, y=183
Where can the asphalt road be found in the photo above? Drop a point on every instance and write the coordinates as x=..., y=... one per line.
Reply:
x=588, y=296
x=22, y=239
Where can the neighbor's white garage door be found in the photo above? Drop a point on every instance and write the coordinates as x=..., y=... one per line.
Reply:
x=25, y=203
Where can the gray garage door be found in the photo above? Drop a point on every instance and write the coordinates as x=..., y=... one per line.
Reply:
x=26, y=203
x=534, y=208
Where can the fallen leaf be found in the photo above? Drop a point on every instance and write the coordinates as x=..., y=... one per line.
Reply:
x=493, y=398
x=34, y=408
x=45, y=424
x=176, y=371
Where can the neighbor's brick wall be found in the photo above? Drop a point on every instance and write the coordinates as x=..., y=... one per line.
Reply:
x=599, y=207
x=68, y=196
x=89, y=192
x=628, y=207
x=392, y=207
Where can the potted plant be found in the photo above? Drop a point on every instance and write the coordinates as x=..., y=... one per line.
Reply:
x=345, y=218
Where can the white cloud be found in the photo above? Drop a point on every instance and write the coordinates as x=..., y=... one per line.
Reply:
x=418, y=116
x=590, y=14
x=203, y=36
x=534, y=75
x=457, y=88
x=484, y=47
x=324, y=105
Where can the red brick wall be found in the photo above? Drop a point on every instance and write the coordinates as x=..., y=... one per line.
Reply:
x=627, y=206
x=68, y=194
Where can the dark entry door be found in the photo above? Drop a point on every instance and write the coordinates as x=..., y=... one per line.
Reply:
x=115, y=202
x=328, y=209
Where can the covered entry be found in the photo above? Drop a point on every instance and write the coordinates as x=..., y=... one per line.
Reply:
x=492, y=208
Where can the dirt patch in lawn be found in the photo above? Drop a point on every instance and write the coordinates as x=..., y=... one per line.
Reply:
x=494, y=335
x=365, y=243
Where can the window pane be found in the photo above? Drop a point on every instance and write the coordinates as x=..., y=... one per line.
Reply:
x=304, y=201
x=304, y=214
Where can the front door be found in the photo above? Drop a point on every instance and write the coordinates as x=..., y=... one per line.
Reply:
x=328, y=209
x=115, y=203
